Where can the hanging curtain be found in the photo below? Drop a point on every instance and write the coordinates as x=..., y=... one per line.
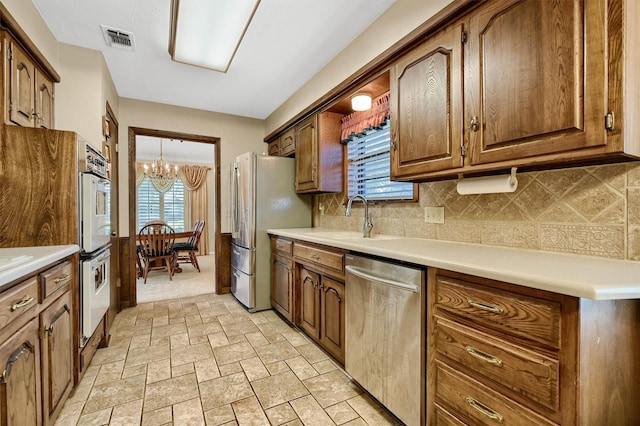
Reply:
x=195, y=180
x=358, y=122
x=139, y=173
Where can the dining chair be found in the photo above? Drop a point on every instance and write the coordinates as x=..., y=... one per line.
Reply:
x=187, y=252
x=155, y=242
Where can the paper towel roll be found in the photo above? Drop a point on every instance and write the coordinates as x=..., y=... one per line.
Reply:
x=487, y=185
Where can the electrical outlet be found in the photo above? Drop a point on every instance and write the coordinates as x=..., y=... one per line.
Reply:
x=321, y=209
x=434, y=214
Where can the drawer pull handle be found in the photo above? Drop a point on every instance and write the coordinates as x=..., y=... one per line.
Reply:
x=496, y=309
x=61, y=278
x=483, y=356
x=21, y=303
x=315, y=257
x=480, y=407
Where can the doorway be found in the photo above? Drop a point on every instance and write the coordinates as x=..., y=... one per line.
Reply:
x=128, y=295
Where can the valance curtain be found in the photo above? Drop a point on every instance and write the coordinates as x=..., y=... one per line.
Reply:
x=358, y=122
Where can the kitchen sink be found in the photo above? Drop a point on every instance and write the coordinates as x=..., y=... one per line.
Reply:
x=351, y=236
x=7, y=262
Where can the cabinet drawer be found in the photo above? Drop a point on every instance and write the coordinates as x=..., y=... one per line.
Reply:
x=56, y=278
x=531, y=376
x=283, y=246
x=507, y=312
x=17, y=300
x=445, y=418
x=322, y=257
x=477, y=404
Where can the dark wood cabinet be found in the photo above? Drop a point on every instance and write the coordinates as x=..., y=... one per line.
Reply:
x=319, y=154
x=56, y=325
x=309, y=291
x=536, y=79
x=288, y=143
x=282, y=277
x=38, y=339
x=426, y=107
x=20, y=390
x=332, y=317
x=501, y=353
x=528, y=83
x=29, y=97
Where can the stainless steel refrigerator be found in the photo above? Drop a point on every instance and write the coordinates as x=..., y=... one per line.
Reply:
x=263, y=196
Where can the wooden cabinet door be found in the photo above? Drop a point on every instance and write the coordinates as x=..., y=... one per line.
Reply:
x=332, y=317
x=43, y=101
x=307, y=154
x=309, y=319
x=274, y=147
x=288, y=143
x=426, y=106
x=282, y=285
x=21, y=86
x=20, y=383
x=57, y=355
x=535, y=78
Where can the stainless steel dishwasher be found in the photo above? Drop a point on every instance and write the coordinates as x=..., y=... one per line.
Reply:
x=384, y=334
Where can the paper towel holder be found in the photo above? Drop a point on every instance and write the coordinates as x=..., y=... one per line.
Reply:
x=487, y=184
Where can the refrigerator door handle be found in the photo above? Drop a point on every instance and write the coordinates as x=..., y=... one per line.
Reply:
x=234, y=200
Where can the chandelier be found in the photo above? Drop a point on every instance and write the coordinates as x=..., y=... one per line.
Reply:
x=161, y=172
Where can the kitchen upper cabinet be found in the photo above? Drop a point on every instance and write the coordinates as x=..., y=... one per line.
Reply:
x=535, y=79
x=426, y=107
x=288, y=143
x=29, y=97
x=319, y=154
x=529, y=83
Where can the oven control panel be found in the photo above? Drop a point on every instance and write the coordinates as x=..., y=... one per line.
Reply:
x=92, y=161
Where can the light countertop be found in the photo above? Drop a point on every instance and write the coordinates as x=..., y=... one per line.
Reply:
x=574, y=275
x=35, y=258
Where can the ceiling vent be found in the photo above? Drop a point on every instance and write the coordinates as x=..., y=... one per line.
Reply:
x=119, y=39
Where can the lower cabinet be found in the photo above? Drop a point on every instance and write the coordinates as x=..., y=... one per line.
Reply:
x=37, y=346
x=502, y=353
x=20, y=382
x=307, y=288
x=57, y=355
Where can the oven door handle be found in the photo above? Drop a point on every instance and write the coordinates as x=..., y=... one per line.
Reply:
x=368, y=276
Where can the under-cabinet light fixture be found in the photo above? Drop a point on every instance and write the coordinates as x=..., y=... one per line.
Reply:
x=207, y=33
x=361, y=101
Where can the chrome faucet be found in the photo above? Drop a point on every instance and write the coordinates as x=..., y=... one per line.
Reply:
x=366, y=228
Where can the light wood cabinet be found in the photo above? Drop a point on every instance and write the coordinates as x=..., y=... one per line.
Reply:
x=29, y=97
x=274, y=147
x=285, y=145
x=543, y=85
x=503, y=353
x=319, y=154
x=37, y=343
x=309, y=290
x=282, y=277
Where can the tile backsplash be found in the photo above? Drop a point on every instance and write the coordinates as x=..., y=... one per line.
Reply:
x=587, y=210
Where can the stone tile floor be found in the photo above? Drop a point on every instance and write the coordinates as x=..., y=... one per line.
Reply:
x=204, y=360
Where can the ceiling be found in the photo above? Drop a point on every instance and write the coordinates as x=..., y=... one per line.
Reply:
x=287, y=42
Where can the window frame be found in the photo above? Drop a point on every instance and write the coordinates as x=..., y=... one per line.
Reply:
x=161, y=204
x=377, y=201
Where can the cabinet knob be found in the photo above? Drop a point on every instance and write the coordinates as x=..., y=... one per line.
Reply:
x=473, y=123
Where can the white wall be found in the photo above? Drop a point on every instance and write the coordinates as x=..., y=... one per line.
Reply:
x=237, y=135
x=399, y=20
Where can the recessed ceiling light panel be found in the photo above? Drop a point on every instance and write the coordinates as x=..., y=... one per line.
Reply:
x=208, y=33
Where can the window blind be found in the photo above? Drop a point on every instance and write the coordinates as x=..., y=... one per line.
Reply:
x=369, y=167
x=167, y=207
